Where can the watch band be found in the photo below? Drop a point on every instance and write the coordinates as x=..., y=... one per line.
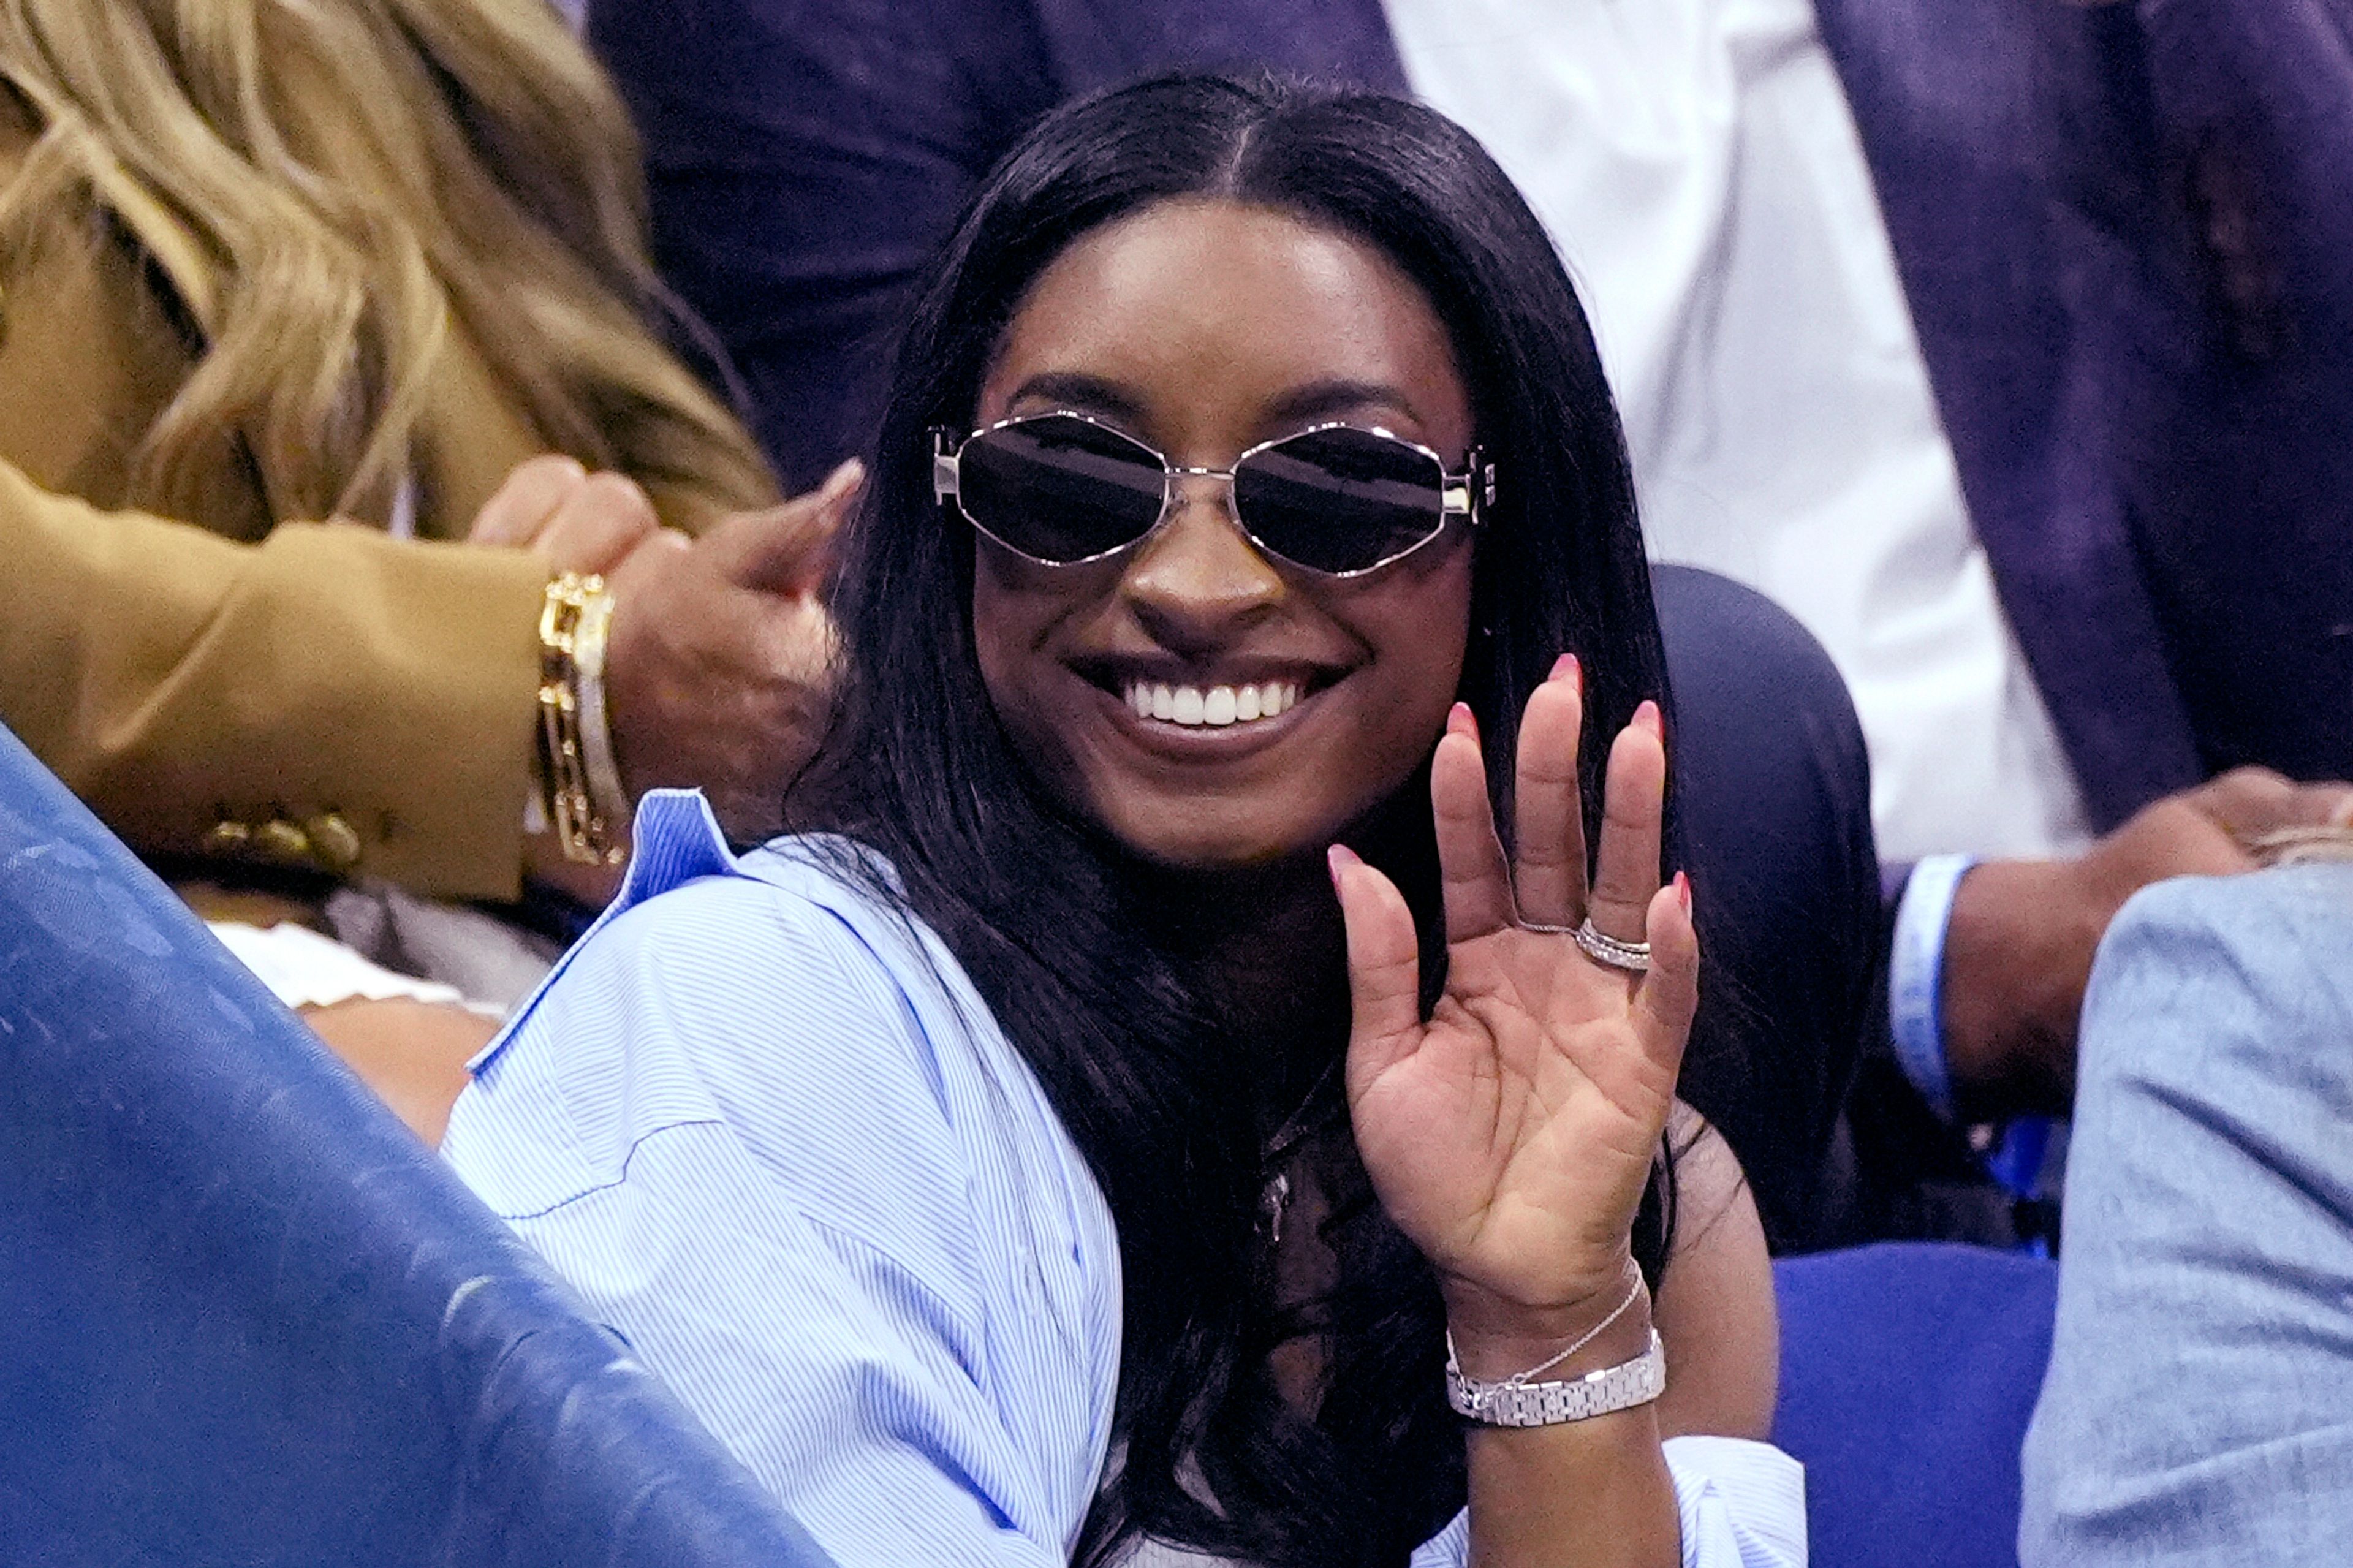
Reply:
x=1514, y=1403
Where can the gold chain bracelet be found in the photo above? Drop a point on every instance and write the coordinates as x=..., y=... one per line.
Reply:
x=572, y=622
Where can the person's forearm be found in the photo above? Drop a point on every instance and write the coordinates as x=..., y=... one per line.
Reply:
x=2019, y=946
x=2018, y=951
x=1589, y=1493
x=1595, y=1493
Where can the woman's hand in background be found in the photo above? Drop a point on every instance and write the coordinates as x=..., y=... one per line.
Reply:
x=719, y=666
x=1512, y=1135
x=578, y=520
x=719, y=663
x=719, y=670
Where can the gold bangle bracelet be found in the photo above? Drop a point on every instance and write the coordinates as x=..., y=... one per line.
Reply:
x=582, y=831
x=605, y=791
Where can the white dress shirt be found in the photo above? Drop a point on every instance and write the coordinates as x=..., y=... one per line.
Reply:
x=1698, y=166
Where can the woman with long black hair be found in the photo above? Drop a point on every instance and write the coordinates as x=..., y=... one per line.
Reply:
x=1151, y=1113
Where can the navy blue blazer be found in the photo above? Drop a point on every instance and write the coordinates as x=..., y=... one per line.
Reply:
x=2125, y=232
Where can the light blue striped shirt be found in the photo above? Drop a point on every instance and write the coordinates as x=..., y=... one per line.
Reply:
x=772, y=1134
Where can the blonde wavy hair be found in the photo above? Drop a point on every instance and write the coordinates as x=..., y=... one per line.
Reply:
x=326, y=185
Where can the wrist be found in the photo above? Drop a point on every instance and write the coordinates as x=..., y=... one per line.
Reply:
x=2017, y=956
x=1493, y=1337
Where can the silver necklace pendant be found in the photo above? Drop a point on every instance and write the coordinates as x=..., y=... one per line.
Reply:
x=1272, y=1200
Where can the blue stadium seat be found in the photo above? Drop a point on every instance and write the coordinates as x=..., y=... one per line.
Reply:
x=1908, y=1372
x=246, y=1318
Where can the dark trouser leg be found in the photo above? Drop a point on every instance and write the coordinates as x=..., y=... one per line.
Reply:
x=1775, y=792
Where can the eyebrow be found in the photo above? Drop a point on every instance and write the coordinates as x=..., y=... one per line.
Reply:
x=1328, y=399
x=1084, y=393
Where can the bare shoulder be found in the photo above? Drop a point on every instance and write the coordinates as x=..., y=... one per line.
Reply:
x=1714, y=1308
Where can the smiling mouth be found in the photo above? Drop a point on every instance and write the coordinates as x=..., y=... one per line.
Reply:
x=1211, y=707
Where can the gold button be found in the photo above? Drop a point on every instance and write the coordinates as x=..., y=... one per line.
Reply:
x=227, y=839
x=335, y=842
x=282, y=841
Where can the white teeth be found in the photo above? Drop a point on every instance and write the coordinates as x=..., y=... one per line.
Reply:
x=1218, y=706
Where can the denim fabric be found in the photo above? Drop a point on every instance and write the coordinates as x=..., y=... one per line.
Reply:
x=2198, y=1407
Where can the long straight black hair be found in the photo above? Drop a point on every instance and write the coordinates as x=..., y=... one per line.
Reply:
x=1058, y=928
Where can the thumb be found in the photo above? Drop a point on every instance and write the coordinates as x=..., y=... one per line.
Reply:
x=1383, y=970
x=786, y=549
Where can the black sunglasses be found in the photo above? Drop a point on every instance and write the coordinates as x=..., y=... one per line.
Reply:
x=1061, y=490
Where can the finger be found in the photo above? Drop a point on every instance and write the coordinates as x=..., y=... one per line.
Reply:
x=656, y=555
x=2251, y=802
x=1547, y=817
x=1384, y=969
x=1668, y=997
x=519, y=508
x=1474, y=880
x=787, y=549
x=1626, y=870
x=604, y=517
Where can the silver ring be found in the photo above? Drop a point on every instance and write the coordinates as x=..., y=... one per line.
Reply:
x=1634, y=957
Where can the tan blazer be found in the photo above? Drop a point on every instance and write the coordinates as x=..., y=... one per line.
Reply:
x=232, y=685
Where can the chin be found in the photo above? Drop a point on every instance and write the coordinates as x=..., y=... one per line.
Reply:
x=1216, y=846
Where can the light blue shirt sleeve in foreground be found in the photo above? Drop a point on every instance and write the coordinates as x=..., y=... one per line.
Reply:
x=773, y=1137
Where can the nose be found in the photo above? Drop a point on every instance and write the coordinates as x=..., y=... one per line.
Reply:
x=1199, y=579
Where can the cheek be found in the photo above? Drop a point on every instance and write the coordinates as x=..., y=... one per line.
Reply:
x=1424, y=632
x=1417, y=630
x=1021, y=614
x=994, y=633
x=1013, y=611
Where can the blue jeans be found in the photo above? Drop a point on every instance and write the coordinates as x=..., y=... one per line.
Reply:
x=2198, y=1407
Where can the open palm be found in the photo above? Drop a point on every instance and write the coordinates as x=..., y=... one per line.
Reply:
x=1511, y=1135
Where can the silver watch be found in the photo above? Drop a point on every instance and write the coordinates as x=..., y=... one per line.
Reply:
x=1516, y=1403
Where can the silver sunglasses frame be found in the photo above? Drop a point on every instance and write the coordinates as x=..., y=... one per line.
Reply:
x=1465, y=495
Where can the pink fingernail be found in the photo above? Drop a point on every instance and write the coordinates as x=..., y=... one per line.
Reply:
x=1461, y=721
x=1566, y=668
x=844, y=480
x=1683, y=892
x=1337, y=858
x=1646, y=716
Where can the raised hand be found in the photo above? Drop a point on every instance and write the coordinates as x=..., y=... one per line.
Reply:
x=1511, y=1136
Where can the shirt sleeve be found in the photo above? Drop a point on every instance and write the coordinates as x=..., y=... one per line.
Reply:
x=727, y=1126
x=1743, y=1505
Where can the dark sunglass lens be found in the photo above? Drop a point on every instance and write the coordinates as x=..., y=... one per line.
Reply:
x=1340, y=500
x=1060, y=488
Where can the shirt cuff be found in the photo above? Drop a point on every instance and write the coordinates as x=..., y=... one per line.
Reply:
x=1916, y=976
x=1742, y=1504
